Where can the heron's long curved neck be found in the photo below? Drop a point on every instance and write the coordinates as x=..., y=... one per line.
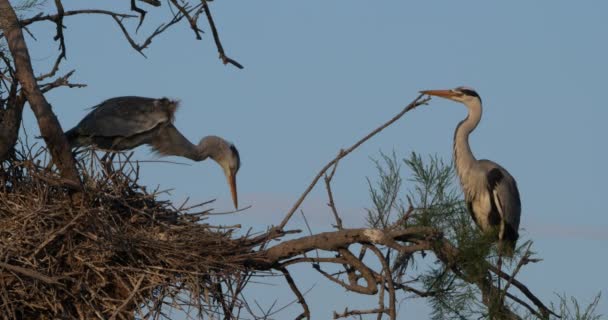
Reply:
x=169, y=141
x=463, y=157
x=198, y=152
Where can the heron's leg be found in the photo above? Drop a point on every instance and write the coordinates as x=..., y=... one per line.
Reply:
x=103, y=162
x=499, y=266
x=107, y=160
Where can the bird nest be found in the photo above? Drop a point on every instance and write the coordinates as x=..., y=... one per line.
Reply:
x=111, y=250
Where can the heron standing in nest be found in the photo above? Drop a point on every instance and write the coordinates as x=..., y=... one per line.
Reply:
x=124, y=123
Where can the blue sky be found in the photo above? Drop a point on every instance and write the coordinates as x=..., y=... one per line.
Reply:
x=320, y=74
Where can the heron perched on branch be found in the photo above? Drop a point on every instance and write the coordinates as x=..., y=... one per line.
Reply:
x=124, y=123
x=489, y=190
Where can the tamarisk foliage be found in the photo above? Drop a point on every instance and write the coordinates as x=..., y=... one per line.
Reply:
x=464, y=286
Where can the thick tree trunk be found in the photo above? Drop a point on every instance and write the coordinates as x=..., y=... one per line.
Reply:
x=49, y=125
x=10, y=119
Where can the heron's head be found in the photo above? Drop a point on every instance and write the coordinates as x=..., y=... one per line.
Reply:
x=464, y=95
x=227, y=156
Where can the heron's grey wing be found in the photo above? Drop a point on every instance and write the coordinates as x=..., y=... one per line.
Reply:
x=126, y=116
x=508, y=194
x=506, y=197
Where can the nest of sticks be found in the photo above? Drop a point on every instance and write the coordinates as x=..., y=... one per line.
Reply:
x=110, y=251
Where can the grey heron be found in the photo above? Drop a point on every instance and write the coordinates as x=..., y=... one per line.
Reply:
x=123, y=123
x=490, y=192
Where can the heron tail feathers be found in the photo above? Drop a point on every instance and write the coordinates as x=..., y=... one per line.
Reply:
x=72, y=137
x=506, y=245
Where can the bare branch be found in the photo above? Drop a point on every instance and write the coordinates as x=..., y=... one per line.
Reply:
x=54, y=69
x=30, y=273
x=47, y=121
x=349, y=313
x=56, y=17
x=192, y=21
x=142, y=14
x=61, y=82
x=296, y=291
x=160, y=29
x=333, y=241
x=155, y=3
x=524, y=289
x=447, y=253
x=118, y=18
x=417, y=102
x=388, y=279
x=59, y=23
x=522, y=261
x=330, y=196
x=225, y=59
x=129, y=298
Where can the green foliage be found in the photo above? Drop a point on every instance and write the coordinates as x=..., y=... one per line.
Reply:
x=26, y=5
x=384, y=194
x=570, y=309
x=452, y=298
x=436, y=201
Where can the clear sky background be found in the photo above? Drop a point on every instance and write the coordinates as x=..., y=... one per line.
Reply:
x=320, y=74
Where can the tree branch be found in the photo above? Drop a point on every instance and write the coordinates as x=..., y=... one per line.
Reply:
x=11, y=120
x=216, y=37
x=523, y=289
x=61, y=82
x=296, y=291
x=417, y=102
x=388, y=279
x=57, y=17
x=30, y=273
x=333, y=241
x=447, y=253
x=47, y=121
x=331, y=204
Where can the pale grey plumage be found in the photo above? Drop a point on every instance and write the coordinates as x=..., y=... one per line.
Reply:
x=490, y=191
x=124, y=123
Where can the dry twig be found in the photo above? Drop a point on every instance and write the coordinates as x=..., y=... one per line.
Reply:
x=417, y=102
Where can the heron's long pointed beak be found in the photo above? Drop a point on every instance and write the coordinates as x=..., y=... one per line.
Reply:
x=232, y=183
x=448, y=94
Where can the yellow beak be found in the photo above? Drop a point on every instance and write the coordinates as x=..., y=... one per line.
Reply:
x=448, y=94
x=232, y=183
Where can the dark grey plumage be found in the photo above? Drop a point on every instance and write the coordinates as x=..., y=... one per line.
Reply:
x=124, y=123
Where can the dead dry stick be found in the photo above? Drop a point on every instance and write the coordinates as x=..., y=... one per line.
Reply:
x=216, y=37
x=128, y=300
x=522, y=261
x=57, y=233
x=351, y=313
x=296, y=291
x=524, y=289
x=417, y=102
x=388, y=279
x=330, y=195
x=30, y=273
